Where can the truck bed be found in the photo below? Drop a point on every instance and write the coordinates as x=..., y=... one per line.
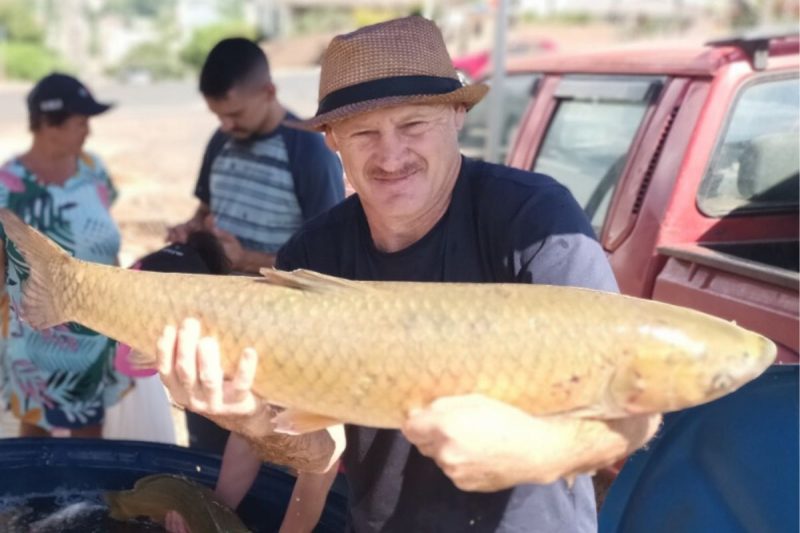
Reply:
x=772, y=262
x=754, y=284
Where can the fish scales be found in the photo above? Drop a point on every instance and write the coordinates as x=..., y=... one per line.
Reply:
x=304, y=370
x=367, y=352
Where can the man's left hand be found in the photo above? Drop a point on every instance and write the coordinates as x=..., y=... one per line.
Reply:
x=486, y=445
x=480, y=443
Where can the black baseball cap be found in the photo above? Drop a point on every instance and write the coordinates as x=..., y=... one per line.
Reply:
x=58, y=92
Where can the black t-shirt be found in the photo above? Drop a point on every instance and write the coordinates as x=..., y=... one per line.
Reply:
x=503, y=225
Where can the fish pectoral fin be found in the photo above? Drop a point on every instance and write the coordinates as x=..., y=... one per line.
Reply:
x=600, y=412
x=297, y=422
x=307, y=280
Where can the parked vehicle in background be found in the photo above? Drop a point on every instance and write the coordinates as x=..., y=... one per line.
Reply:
x=517, y=87
x=517, y=91
x=686, y=162
x=477, y=65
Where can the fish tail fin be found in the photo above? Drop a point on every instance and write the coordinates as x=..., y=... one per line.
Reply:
x=42, y=307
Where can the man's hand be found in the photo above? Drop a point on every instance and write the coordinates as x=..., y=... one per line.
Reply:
x=181, y=232
x=174, y=523
x=486, y=445
x=190, y=368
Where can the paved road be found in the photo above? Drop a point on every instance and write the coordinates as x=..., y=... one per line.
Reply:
x=297, y=88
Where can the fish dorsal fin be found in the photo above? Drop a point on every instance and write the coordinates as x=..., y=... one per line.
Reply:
x=308, y=280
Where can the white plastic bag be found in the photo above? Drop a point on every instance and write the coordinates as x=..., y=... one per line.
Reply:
x=144, y=413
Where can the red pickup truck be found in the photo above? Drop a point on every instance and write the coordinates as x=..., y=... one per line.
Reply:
x=686, y=162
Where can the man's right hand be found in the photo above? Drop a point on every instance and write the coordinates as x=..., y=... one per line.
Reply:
x=181, y=232
x=174, y=523
x=190, y=368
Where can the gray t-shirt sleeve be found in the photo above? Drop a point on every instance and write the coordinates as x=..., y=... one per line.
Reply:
x=569, y=259
x=555, y=245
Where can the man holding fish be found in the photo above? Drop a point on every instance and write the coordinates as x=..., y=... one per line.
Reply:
x=391, y=104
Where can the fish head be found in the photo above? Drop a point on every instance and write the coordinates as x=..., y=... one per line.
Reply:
x=687, y=360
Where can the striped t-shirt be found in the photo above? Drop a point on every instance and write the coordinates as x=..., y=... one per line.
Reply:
x=262, y=189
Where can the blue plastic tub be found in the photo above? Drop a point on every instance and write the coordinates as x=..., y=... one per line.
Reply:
x=45, y=471
x=730, y=465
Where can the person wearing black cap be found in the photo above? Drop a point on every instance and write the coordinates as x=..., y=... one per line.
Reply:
x=61, y=378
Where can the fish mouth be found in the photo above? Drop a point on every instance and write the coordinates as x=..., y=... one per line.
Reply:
x=758, y=355
x=757, y=360
x=769, y=352
x=722, y=383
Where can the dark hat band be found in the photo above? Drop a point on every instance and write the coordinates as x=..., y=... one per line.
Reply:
x=387, y=87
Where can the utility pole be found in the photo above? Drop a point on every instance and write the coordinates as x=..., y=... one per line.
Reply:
x=429, y=9
x=767, y=12
x=496, y=115
x=3, y=52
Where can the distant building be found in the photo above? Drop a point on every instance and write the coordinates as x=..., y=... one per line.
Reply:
x=193, y=14
x=621, y=8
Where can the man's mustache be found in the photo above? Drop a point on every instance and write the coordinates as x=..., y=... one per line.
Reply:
x=406, y=170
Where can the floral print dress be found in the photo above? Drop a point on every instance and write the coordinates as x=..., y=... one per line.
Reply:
x=62, y=377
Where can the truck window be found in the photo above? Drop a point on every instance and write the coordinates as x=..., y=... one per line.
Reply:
x=472, y=139
x=755, y=166
x=586, y=144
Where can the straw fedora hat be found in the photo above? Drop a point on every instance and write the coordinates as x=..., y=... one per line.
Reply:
x=401, y=61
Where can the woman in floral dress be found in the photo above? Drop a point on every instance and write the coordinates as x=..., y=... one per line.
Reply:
x=62, y=377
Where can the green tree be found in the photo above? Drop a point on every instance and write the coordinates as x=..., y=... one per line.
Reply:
x=29, y=61
x=204, y=38
x=151, y=58
x=23, y=54
x=230, y=9
x=138, y=8
x=17, y=22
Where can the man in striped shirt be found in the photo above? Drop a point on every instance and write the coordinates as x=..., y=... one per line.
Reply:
x=259, y=180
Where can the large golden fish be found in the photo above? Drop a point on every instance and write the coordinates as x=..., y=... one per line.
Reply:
x=367, y=352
